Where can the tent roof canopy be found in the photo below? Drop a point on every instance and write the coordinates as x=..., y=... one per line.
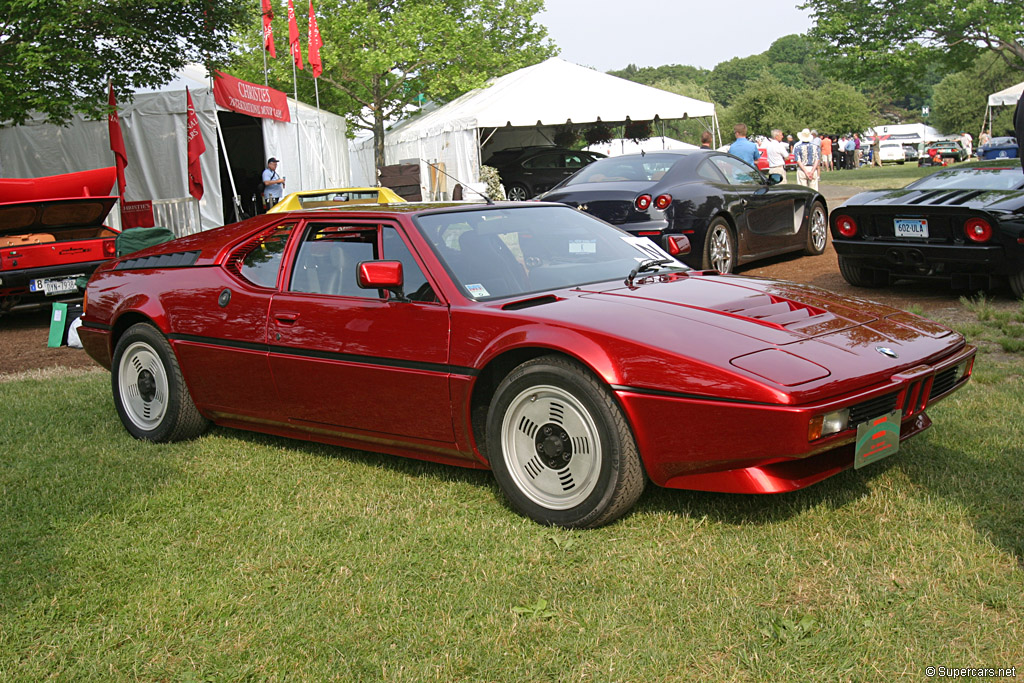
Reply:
x=553, y=93
x=1007, y=97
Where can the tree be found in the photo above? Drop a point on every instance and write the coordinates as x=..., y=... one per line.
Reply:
x=895, y=43
x=57, y=56
x=381, y=56
x=960, y=98
x=729, y=79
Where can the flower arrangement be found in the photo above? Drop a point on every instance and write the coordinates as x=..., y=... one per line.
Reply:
x=637, y=130
x=489, y=175
x=598, y=133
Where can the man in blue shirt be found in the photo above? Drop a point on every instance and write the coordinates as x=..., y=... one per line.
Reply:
x=273, y=184
x=744, y=148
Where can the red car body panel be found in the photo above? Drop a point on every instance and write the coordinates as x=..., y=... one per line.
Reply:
x=705, y=367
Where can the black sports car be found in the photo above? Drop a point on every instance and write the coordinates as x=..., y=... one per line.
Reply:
x=965, y=225
x=730, y=211
x=528, y=171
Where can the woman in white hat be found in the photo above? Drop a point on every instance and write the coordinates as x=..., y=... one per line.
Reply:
x=808, y=160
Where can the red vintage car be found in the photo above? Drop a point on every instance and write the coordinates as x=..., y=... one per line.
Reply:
x=51, y=233
x=573, y=359
x=762, y=161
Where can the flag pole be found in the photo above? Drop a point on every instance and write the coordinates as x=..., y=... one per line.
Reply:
x=263, y=49
x=320, y=125
x=298, y=126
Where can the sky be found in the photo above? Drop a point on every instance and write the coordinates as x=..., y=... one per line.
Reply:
x=610, y=34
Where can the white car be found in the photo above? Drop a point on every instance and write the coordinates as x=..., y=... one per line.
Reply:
x=892, y=152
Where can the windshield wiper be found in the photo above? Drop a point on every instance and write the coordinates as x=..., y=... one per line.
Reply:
x=645, y=266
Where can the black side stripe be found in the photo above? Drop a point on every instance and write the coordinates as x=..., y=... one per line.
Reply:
x=328, y=355
x=693, y=397
x=96, y=326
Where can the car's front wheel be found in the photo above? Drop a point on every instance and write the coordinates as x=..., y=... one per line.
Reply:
x=719, y=247
x=817, y=230
x=858, y=276
x=517, y=192
x=149, y=392
x=560, y=447
x=1017, y=284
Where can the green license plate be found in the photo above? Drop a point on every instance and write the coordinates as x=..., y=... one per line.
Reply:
x=877, y=438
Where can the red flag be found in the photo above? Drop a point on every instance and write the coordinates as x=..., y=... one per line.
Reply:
x=314, y=44
x=116, y=141
x=268, y=30
x=196, y=147
x=293, y=36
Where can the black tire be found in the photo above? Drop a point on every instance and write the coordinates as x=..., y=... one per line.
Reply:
x=1017, y=284
x=719, y=247
x=817, y=230
x=859, y=276
x=517, y=192
x=560, y=447
x=149, y=392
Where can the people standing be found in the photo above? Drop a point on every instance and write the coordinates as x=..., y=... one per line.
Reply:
x=851, y=149
x=826, y=153
x=808, y=160
x=857, y=151
x=967, y=141
x=984, y=138
x=705, y=140
x=1018, y=124
x=744, y=148
x=776, y=153
x=273, y=184
x=876, y=151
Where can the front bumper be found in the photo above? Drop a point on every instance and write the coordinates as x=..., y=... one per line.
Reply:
x=732, y=447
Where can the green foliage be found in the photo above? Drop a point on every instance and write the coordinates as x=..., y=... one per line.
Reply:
x=380, y=56
x=58, y=56
x=728, y=80
x=960, y=98
x=490, y=176
x=672, y=73
x=895, y=45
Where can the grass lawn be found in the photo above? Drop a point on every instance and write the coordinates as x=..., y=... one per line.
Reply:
x=896, y=176
x=244, y=557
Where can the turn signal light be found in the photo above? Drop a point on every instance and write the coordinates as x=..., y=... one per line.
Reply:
x=828, y=424
x=978, y=230
x=108, y=248
x=643, y=202
x=846, y=226
x=677, y=245
x=663, y=202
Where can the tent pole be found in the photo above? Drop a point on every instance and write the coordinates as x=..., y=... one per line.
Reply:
x=235, y=199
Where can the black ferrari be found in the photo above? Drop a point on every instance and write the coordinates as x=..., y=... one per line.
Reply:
x=730, y=212
x=963, y=225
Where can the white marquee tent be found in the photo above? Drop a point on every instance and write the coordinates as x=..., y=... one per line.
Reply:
x=154, y=130
x=1004, y=98
x=518, y=109
x=619, y=146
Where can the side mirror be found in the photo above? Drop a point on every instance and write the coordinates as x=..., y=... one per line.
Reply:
x=775, y=178
x=382, y=275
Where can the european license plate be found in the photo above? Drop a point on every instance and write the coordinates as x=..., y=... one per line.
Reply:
x=877, y=438
x=55, y=286
x=911, y=227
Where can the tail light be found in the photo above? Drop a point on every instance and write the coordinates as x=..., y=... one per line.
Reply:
x=643, y=202
x=846, y=226
x=663, y=202
x=978, y=230
x=109, y=248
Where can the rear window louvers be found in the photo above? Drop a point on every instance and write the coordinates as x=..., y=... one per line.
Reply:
x=181, y=259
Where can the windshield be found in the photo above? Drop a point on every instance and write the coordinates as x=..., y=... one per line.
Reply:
x=972, y=179
x=644, y=168
x=505, y=252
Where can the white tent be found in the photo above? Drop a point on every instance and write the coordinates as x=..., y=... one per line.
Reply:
x=154, y=130
x=518, y=109
x=1004, y=98
x=909, y=133
x=620, y=146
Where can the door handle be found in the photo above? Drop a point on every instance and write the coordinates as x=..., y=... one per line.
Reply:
x=286, y=317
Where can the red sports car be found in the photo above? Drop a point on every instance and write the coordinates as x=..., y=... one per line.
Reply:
x=573, y=359
x=52, y=232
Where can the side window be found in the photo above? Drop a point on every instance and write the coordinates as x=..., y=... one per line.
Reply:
x=708, y=172
x=328, y=260
x=544, y=161
x=737, y=172
x=576, y=161
x=259, y=261
x=416, y=286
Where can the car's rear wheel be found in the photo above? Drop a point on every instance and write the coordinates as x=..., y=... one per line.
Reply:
x=149, y=391
x=560, y=447
x=517, y=192
x=1017, y=284
x=817, y=230
x=858, y=276
x=719, y=247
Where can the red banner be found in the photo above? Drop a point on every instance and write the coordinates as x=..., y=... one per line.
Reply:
x=315, y=43
x=293, y=36
x=116, y=141
x=196, y=147
x=248, y=98
x=268, y=29
x=137, y=214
